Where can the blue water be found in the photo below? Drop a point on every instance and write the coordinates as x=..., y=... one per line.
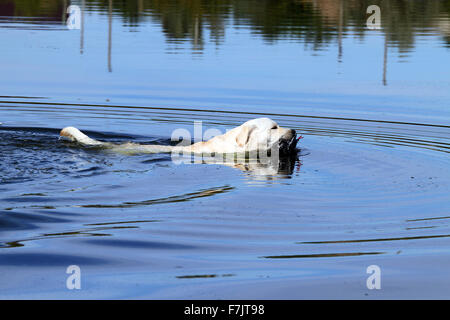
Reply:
x=370, y=185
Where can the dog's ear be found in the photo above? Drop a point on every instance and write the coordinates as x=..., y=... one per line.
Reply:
x=244, y=135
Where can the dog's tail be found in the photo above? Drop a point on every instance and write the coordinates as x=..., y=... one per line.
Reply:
x=73, y=134
x=76, y=135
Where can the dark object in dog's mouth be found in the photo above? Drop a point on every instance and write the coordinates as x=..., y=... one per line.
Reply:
x=288, y=146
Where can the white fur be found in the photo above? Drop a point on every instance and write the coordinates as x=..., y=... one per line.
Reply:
x=254, y=135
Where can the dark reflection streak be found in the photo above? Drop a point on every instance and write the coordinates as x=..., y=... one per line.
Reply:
x=341, y=18
x=323, y=255
x=12, y=244
x=385, y=59
x=228, y=112
x=64, y=13
x=91, y=232
x=23, y=97
x=196, y=276
x=87, y=231
x=120, y=222
x=196, y=33
x=426, y=219
x=172, y=199
x=376, y=240
x=109, y=35
x=83, y=5
x=419, y=228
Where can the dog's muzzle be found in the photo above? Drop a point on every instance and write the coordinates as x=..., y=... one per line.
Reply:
x=288, y=146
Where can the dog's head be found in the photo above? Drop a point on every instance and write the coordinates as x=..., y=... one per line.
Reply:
x=265, y=134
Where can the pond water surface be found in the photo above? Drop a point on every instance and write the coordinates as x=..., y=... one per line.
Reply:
x=371, y=185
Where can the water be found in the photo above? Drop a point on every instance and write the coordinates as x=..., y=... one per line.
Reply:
x=370, y=186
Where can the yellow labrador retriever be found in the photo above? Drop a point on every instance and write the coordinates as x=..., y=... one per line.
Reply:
x=261, y=134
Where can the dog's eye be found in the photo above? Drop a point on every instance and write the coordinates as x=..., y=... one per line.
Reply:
x=274, y=126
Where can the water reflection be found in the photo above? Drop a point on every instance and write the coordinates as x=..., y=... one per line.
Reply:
x=314, y=22
x=374, y=184
x=317, y=24
x=255, y=169
x=38, y=12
